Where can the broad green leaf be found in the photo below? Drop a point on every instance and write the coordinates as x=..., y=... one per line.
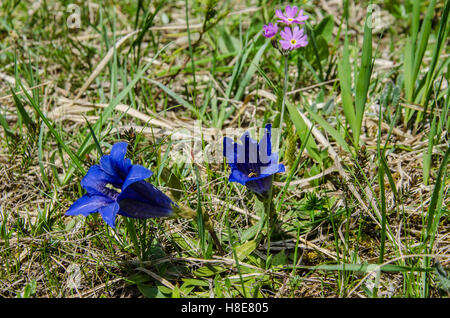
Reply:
x=345, y=80
x=150, y=291
x=209, y=270
x=246, y=249
x=303, y=130
x=363, y=80
x=280, y=259
x=175, y=184
x=325, y=28
x=195, y=282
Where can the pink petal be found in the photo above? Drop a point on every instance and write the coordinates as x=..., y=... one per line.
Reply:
x=279, y=14
x=286, y=34
x=301, y=17
x=285, y=44
x=304, y=42
x=292, y=12
x=299, y=35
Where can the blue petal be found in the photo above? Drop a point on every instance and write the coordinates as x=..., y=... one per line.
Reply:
x=118, y=152
x=249, y=154
x=96, y=179
x=232, y=151
x=260, y=185
x=143, y=200
x=116, y=164
x=265, y=145
x=136, y=173
x=107, y=165
x=252, y=157
x=109, y=213
x=143, y=210
x=246, y=137
x=238, y=176
x=88, y=204
x=272, y=169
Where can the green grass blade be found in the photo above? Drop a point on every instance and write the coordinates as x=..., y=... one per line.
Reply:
x=436, y=198
x=345, y=80
x=423, y=38
x=175, y=96
x=408, y=69
x=22, y=112
x=441, y=39
x=97, y=144
x=112, y=105
x=329, y=129
x=428, y=153
x=72, y=155
x=302, y=130
x=363, y=81
x=41, y=156
x=4, y=123
x=250, y=72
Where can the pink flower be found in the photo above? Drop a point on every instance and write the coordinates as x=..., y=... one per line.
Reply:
x=293, y=39
x=270, y=30
x=290, y=17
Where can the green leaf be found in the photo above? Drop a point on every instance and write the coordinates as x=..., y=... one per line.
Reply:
x=363, y=81
x=435, y=206
x=280, y=259
x=5, y=126
x=303, y=130
x=428, y=152
x=209, y=270
x=251, y=232
x=195, y=282
x=246, y=249
x=175, y=184
x=150, y=291
x=73, y=156
x=250, y=72
x=345, y=80
x=138, y=278
x=325, y=28
x=28, y=291
x=329, y=129
x=408, y=70
x=23, y=113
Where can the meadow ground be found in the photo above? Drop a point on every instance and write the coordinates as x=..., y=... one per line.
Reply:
x=362, y=209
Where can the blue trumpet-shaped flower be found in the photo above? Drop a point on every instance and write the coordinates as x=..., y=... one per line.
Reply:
x=252, y=164
x=116, y=186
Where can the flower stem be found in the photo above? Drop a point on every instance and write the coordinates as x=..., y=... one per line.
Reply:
x=270, y=215
x=283, y=105
x=269, y=208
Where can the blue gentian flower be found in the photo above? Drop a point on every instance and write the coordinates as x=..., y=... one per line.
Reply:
x=116, y=186
x=252, y=164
